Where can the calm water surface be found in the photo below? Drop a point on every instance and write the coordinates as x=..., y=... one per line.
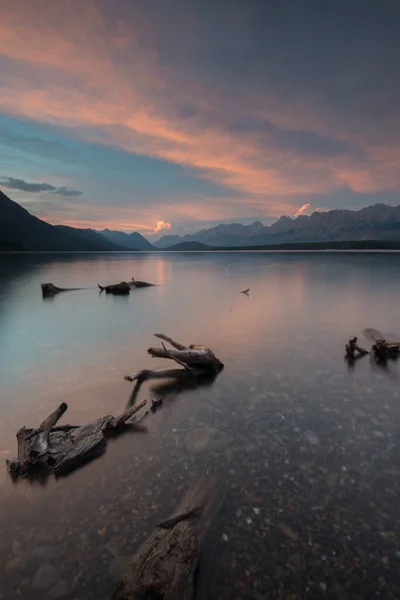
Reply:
x=308, y=448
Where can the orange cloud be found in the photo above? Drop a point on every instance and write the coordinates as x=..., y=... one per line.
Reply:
x=307, y=209
x=162, y=225
x=303, y=209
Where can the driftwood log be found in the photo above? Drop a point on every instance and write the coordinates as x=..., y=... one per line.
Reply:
x=164, y=567
x=121, y=288
x=124, y=287
x=62, y=449
x=381, y=348
x=193, y=357
x=49, y=290
x=199, y=367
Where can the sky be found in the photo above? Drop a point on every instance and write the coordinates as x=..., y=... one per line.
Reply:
x=170, y=116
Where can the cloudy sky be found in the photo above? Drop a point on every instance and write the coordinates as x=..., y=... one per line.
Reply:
x=174, y=115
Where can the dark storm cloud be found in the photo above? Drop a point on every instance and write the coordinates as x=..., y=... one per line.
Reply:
x=35, y=188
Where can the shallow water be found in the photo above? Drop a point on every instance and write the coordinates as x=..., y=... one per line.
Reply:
x=307, y=447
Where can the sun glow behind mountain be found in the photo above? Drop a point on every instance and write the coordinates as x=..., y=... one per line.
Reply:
x=162, y=225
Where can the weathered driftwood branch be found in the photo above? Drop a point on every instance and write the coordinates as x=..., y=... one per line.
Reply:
x=196, y=356
x=170, y=341
x=165, y=565
x=51, y=421
x=49, y=290
x=59, y=450
x=172, y=356
x=199, y=366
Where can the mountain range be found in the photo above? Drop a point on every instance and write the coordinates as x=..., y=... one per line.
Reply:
x=19, y=230
x=131, y=241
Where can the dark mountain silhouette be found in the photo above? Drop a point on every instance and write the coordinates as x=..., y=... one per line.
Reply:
x=89, y=236
x=132, y=241
x=19, y=230
x=188, y=246
x=166, y=241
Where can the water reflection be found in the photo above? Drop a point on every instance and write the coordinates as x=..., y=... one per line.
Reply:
x=186, y=382
x=351, y=360
x=173, y=382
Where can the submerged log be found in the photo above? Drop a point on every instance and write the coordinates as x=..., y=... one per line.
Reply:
x=121, y=288
x=60, y=450
x=49, y=290
x=140, y=284
x=164, y=567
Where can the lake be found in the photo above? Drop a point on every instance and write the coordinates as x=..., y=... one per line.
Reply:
x=308, y=447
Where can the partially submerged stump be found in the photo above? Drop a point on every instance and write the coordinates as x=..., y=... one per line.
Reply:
x=164, y=567
x=121, y=288
x=49, y=290
x=353, y=349
x=59, y=450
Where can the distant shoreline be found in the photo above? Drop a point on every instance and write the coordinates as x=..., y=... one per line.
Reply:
x=342, y=246
x=386, y=247
x=347, y=245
